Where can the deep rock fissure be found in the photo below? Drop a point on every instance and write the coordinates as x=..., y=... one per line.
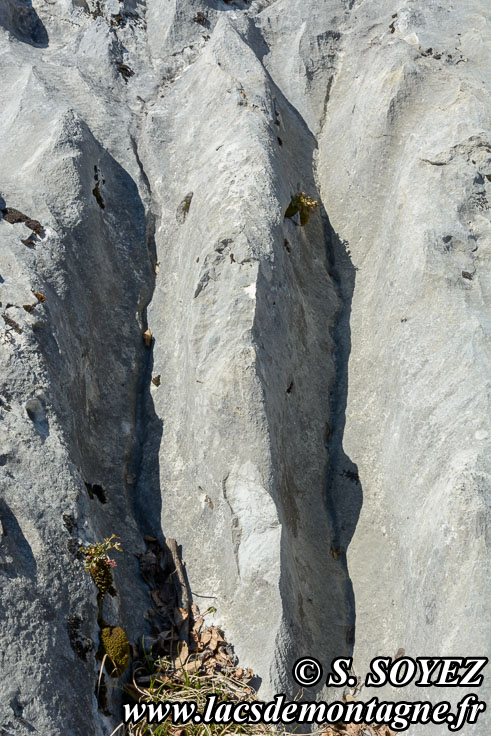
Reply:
x=304, y=613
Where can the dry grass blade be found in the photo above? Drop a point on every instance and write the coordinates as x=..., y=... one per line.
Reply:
x=121, y=725
x=101, y=671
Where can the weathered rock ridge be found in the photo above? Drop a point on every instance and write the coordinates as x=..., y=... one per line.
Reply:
x=317, y=436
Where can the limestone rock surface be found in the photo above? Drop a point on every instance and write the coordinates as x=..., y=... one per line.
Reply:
x=318, y=440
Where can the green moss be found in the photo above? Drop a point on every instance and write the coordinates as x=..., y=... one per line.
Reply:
x=115, y=644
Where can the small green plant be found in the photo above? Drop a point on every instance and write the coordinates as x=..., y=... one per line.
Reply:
x=300, y=202
x=116, y=647
x=99, y=564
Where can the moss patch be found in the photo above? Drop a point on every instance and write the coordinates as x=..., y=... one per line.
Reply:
x=115, y=644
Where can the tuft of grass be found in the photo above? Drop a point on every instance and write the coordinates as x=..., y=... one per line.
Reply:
x=186, y=661
x=171, y=684
x=194, y=688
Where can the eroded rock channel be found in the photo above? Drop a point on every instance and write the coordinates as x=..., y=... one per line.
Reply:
x=302, y=407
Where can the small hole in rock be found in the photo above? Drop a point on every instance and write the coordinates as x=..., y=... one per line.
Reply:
x=93, y=489
x=98, y=196
x=36, y=413
x=69, y=522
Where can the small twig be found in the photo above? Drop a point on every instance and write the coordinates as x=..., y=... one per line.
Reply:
x=183, y=592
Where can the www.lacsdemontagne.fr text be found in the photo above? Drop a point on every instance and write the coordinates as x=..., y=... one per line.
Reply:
x=397, y=716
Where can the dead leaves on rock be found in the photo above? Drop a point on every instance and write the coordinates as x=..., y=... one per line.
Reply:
x=182, y=645
x=12, y=324
x=208, y=655
x=30, y=241
x=13, y=216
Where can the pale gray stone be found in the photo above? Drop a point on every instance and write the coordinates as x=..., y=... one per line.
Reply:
x=319, y=440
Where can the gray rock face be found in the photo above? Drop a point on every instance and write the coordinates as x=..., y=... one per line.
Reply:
x=416, y=420
x=319, y=439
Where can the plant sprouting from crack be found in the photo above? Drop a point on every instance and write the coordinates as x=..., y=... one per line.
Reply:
x=98, y=564
x=302, y=203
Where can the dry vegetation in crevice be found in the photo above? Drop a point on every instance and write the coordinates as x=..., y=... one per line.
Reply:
x=187, y=661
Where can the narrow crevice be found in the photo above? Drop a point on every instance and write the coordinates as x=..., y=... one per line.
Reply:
x=146, y=417
x=316, y=590
x=145, y=493
x=343, y=493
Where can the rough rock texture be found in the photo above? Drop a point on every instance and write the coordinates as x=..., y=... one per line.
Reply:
x=417, y=413
x=319, y=439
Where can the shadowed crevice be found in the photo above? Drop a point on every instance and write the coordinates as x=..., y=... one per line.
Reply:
x=21, y=20
x=317, y=490
x=16, y=553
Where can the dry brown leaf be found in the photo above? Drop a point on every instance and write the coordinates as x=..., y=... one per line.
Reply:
x=183, y=652
x=195, y=610
x=194, y=634
x=193, y=667
x=179, y=662
x=147, y=338
x=223, y=660
x=180, y=616
x=215, y=639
